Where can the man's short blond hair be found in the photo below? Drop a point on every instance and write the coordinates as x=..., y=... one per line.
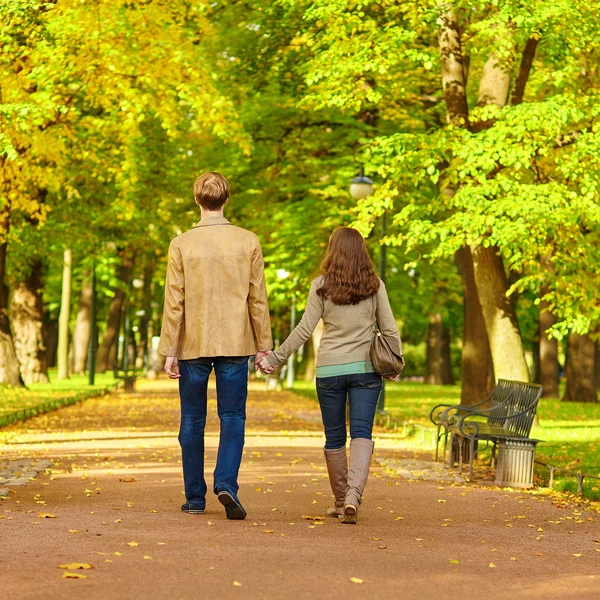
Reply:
x=211, y=191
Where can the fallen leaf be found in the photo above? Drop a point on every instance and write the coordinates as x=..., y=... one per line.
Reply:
x=577, y=555
x=237, y=584
x=376, y=539
x=126, y=479
x=73, y=531
x=382, y=547
x=146, y=557
x=132, y=544
x=492, y=566
x=67, y=575
x=453, y=561
x=46, y=516
x=76, y=566
x=356, y=580
x=268, y=531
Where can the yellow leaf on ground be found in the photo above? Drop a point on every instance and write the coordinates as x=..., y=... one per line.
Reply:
x=126, y=479
x=67, y=575
x=146, y=557
x=576, y=554
x=376, y=539
x=46, y=516
x=492, y=566
x=76, y=566
x=268, y=531
x=356, y=580
x=237, y=584
x=132, y=544
x=73, y=531
x=453, y=561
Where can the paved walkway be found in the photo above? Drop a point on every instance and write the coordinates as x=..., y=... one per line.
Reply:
x=112, y=495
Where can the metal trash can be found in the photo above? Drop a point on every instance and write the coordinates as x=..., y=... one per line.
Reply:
x=515, y=463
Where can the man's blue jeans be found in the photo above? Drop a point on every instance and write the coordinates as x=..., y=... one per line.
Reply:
x=232, y=391
x=361, y=393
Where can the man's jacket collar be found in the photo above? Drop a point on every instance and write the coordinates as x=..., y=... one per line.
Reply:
x=207, y=221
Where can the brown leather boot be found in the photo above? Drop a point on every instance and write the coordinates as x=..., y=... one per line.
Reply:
x=361, y=451
x=337, y=467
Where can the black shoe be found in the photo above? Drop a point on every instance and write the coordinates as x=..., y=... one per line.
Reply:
x=193, y=508
x=235, y=511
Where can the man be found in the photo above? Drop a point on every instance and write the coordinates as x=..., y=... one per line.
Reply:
x=216, y=315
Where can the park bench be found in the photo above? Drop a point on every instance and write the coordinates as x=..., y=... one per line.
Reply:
x=505, y=419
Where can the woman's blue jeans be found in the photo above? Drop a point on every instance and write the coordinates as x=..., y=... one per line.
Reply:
x=361, y=393
x=232, y=391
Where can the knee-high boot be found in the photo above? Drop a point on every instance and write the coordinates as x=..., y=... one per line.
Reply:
x=361, y=451
x=337, y=467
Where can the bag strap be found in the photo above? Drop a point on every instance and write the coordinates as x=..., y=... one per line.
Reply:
x=375, y=323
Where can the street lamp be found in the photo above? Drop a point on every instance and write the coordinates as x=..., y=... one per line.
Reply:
x=361, y=187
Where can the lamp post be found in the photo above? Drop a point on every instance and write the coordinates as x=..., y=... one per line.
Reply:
x=361, y=187
x=93, y=330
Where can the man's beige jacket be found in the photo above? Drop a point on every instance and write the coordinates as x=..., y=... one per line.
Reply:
x=215, y=293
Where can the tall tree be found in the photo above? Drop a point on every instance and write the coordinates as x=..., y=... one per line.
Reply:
x=27, y=312
x=579, y=372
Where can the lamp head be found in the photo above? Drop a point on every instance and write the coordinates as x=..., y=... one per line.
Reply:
x=361, y=186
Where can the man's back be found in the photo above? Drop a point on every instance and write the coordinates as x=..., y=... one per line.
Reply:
x=215, y=293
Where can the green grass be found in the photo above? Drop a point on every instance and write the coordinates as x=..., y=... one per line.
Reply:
x=570, y=430
x=14, y=399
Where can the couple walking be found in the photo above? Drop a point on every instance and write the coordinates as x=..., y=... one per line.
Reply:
x=216, y=315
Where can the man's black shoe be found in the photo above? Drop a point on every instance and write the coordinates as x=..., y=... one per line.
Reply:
x=193, y=508
x=234, y=509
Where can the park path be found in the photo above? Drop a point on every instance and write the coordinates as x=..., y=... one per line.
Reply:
x=112, y=498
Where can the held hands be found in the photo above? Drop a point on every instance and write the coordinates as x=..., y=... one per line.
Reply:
x=261, y=362
x=396, y=378
x=172, y=367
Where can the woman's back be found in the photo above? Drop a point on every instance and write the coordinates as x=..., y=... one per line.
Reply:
x=348, y=327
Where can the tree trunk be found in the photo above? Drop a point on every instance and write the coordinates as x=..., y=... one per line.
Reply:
x=51, y=336
x=477, y=367
x=10, y=373
x=580, y=370
x=63, y=319
x=144, y=327
x=597, y=366
x=499, y=315
x=433, y=358
x=446, y=358
x=27, y=317
x=83, y=328
x=107, y=351
x=453, y=68
x=548, y=357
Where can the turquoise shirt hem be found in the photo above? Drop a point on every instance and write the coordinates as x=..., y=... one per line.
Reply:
x=353, y=368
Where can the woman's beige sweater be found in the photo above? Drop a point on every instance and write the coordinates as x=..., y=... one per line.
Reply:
x=348, y=328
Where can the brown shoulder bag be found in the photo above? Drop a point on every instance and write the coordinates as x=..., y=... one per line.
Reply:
x=386, y=354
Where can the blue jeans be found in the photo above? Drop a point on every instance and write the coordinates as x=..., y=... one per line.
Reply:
x=361, y=393
x=232, y=390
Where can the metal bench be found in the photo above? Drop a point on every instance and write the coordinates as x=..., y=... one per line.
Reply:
x=443, y=415
x=506, y=422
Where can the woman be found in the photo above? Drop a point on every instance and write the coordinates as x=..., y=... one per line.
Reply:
x=349, y=297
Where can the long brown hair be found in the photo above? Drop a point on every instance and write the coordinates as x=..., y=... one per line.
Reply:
x=347, y=269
